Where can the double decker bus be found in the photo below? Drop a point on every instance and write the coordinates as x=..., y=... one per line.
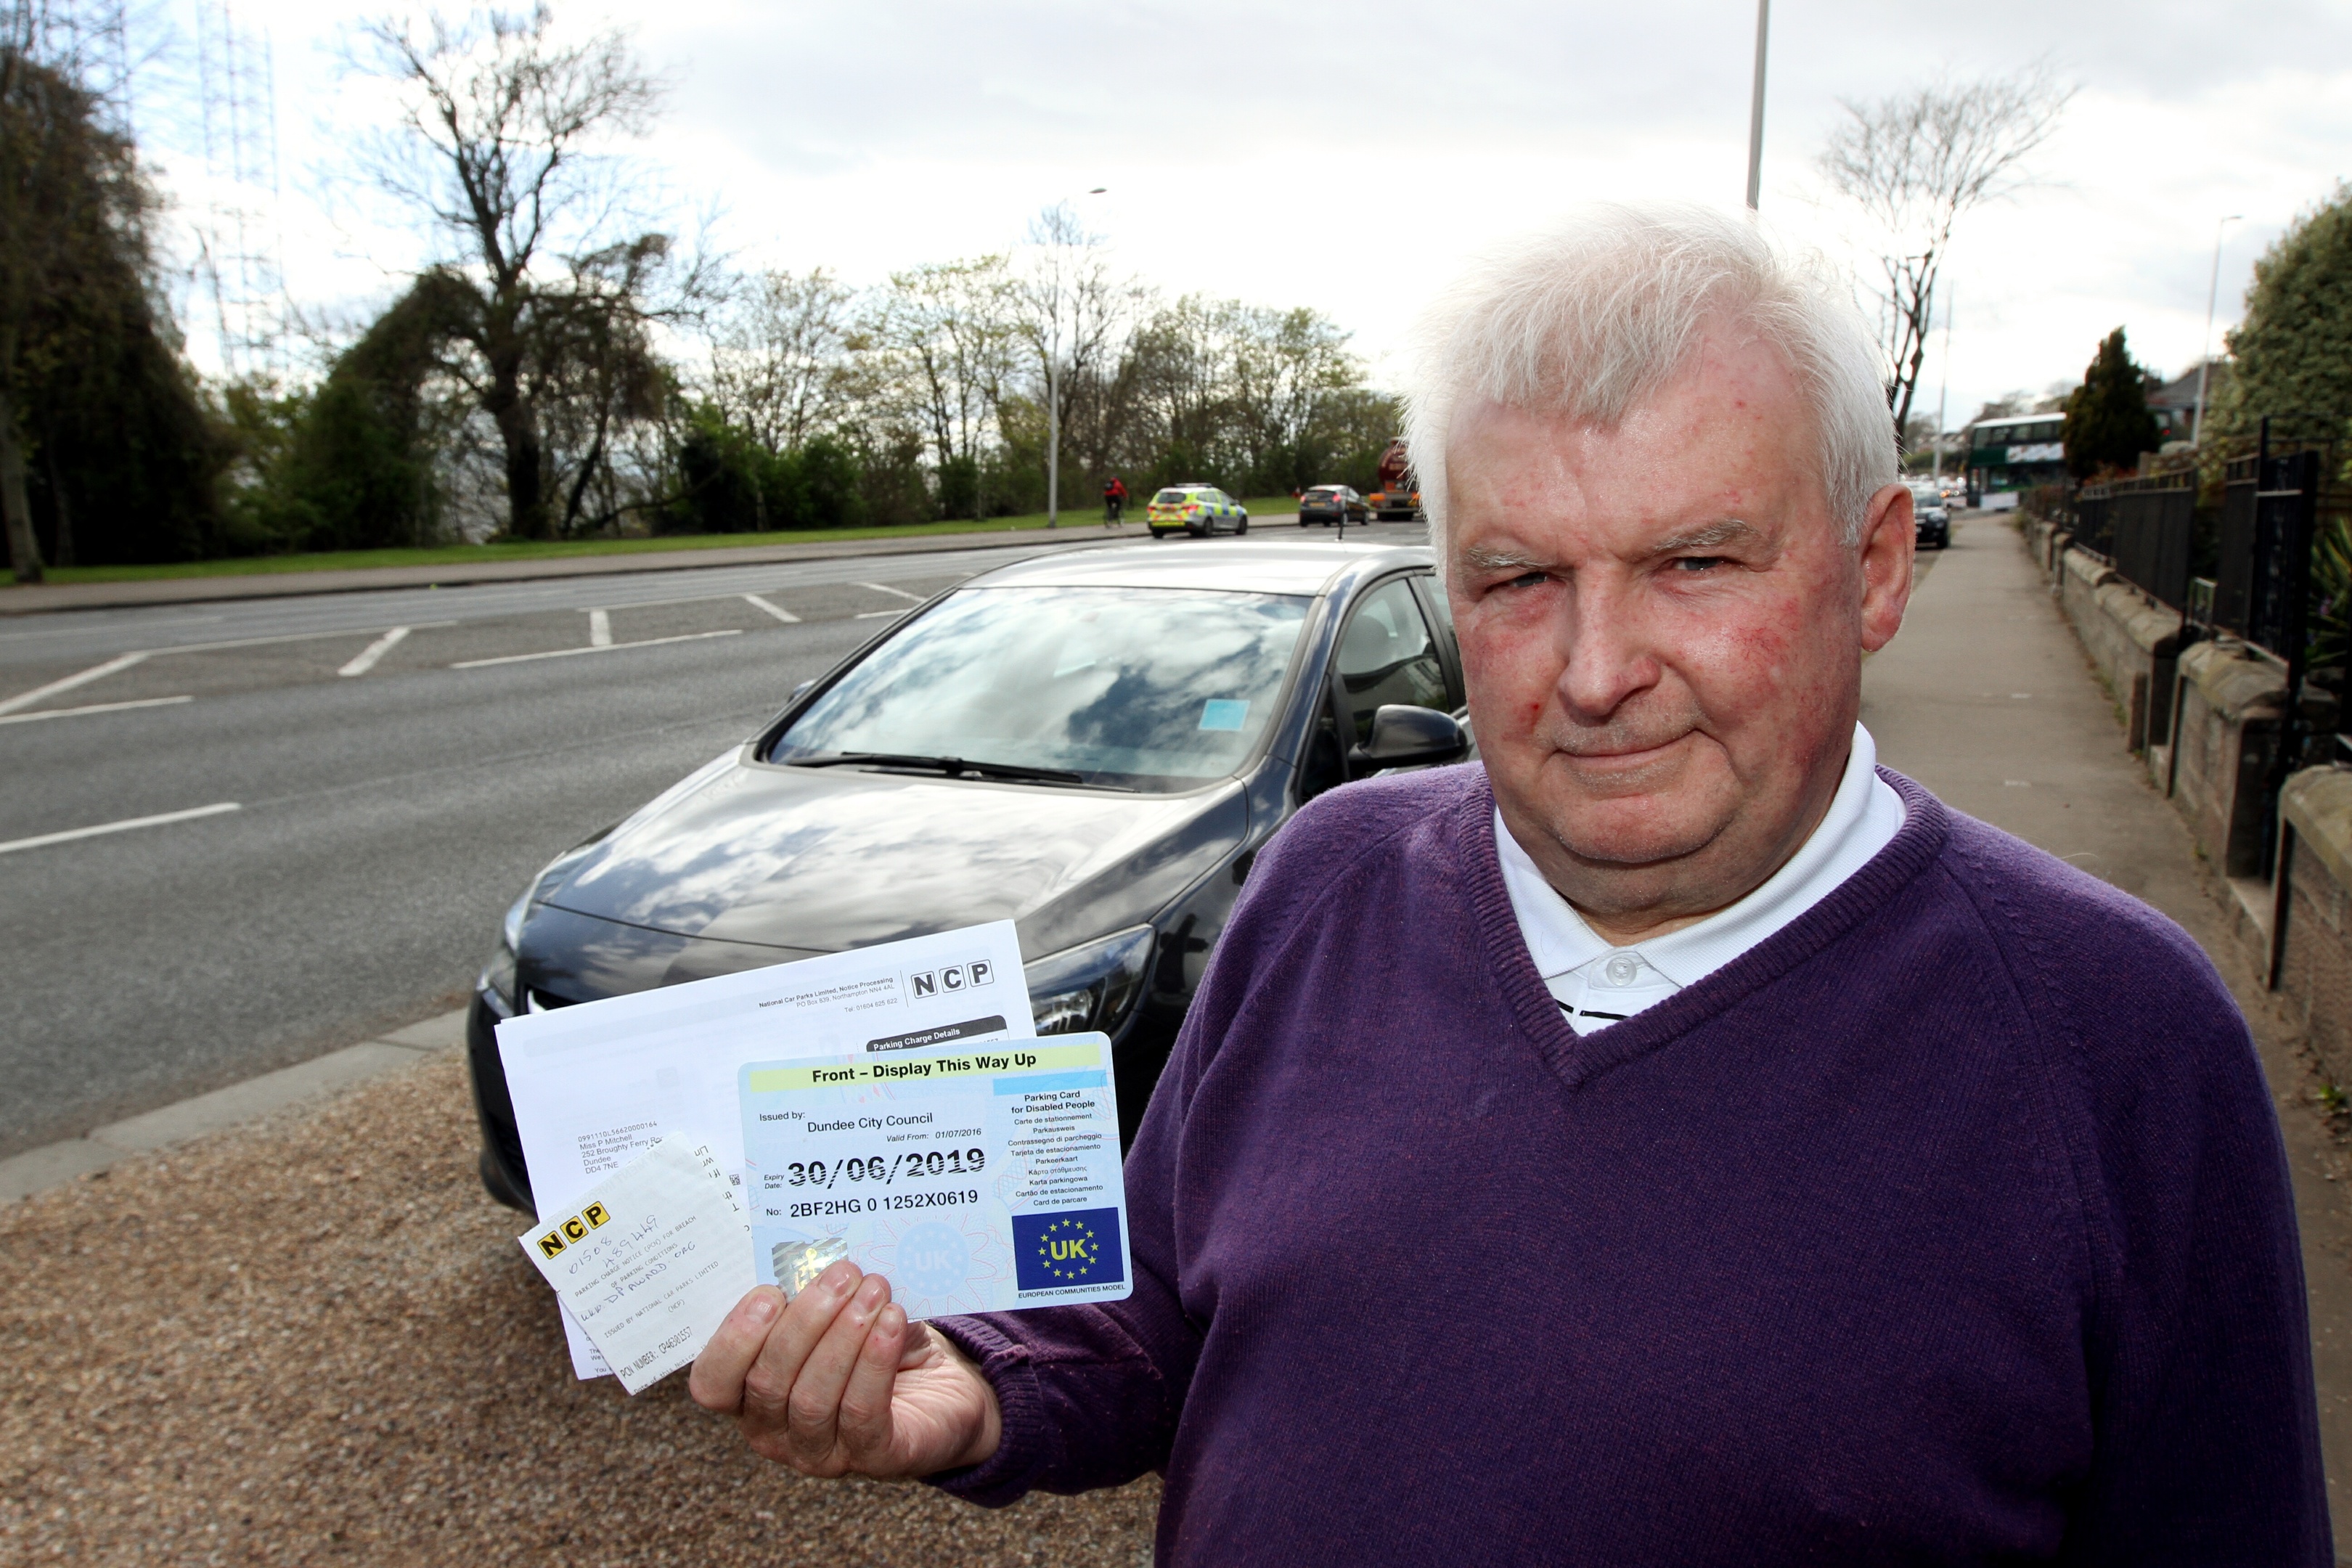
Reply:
x=2009, y=456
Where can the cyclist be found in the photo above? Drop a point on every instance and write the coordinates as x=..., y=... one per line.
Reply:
x=1114, y=500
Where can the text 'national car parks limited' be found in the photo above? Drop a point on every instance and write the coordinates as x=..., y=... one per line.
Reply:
x=1093, y=746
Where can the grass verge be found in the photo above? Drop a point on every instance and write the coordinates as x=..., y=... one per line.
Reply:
x=538, y=550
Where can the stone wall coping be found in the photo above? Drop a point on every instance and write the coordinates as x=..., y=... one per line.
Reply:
x=2317, y=804
x=2156, y=629
x=2093, y=570
x=2237, y=683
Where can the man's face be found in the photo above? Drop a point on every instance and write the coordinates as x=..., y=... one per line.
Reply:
x=1663, y=632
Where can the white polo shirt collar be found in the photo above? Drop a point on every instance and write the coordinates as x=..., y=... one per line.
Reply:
x=1598, y=984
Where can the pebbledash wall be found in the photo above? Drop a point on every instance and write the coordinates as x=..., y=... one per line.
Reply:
x=2207, y=719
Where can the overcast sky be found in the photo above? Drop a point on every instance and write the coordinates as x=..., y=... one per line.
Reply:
x=1349, y=156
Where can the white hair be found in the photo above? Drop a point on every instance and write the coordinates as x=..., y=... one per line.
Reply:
x=1592, y=318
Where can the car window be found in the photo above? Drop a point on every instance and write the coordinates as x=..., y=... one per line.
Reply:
x=1386, y=655
x=1155, y=690
x=1169, y=497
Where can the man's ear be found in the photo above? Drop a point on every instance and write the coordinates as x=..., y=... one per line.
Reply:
x=1889, y=539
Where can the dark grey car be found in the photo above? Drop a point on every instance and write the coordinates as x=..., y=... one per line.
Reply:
x=1093, y=746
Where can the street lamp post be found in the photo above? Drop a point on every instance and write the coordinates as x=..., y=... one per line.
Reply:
x=1944, y=391
x=2205, y=351
x=1755, y=109
x=1053, y=396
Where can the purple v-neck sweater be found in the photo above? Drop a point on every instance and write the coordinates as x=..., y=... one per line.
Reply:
x=1950, y=1224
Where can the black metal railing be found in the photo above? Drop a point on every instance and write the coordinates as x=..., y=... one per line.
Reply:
x=2147, y=527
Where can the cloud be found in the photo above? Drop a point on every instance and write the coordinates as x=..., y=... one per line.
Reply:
x=1349, y=156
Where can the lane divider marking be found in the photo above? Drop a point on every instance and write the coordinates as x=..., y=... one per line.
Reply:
x=291, y=636
x=600, y=628
x=140, y=655
x=365, y=660
x=83, y=678
x=778, y=611
x=895, y=592
x=93, y=707
x=607, y=648
x=125, y=825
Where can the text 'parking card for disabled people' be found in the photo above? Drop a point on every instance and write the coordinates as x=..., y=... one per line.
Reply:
x=652, y=1260
x=973, y=1180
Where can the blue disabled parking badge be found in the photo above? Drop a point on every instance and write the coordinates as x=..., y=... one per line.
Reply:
x=975, y=1177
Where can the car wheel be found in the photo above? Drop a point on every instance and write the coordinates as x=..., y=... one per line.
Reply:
x=1157, y=534
x=1241, y=528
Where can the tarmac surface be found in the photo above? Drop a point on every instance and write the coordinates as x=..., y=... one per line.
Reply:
x=236, y=836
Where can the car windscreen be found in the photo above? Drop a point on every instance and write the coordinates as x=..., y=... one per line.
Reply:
x=1169, y=497
x=1132, y=688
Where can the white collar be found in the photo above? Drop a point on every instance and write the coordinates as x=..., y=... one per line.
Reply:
x=1863, y=817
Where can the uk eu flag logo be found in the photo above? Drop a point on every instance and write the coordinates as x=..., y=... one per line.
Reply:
x=1078, y=1247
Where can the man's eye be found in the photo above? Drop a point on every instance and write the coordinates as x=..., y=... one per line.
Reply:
x=1526, y=580
x=1696, y=562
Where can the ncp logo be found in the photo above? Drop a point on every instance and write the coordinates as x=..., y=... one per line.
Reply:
x=954, y=977
x=576, y=1228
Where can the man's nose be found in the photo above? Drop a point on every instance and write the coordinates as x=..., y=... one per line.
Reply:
x=1607, y=650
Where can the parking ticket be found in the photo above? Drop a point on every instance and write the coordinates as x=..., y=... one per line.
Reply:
x=651, y=1261
x=974, y=1180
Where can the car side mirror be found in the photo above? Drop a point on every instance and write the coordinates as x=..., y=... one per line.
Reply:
x=1404, y=736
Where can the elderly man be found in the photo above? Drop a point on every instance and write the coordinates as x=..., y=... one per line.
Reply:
x=1676, y=1140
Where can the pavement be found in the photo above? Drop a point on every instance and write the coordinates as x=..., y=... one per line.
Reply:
x=1987, y=697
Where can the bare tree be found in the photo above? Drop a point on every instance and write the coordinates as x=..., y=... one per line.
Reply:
x=501, y=141
x=1917, y=164
x=1071, y=310
x=780, y=362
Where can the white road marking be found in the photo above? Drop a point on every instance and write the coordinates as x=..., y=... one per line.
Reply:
x=600, y=628
x=776, y=610
x=286, y=636
x=365, y=660
x=896, y=592
x=607, y=648
x=877, y=615
x=93, y=707
x=125, y=825
x=96, y=672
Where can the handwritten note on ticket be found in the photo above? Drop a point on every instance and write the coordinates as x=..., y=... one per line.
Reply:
x=651, y=1261
x=974, y=1180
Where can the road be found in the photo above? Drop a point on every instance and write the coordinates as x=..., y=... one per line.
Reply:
x=375, y=800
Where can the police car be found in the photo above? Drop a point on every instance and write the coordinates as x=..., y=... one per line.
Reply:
x=1197, y=510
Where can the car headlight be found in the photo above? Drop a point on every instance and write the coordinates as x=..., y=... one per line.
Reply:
x=499, y=974
x=1091, y=986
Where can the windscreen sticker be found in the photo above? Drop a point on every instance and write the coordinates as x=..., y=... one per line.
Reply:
x=1224, y=713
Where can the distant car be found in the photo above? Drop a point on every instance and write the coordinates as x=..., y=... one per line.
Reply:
x=1330, y=504
x=1197, y=510
x=1093, y=746
x=1932, y=520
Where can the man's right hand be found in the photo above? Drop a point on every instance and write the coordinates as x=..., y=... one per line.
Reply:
x=838, y=1383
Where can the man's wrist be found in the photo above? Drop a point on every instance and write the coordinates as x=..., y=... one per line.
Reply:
x=990, y=1434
